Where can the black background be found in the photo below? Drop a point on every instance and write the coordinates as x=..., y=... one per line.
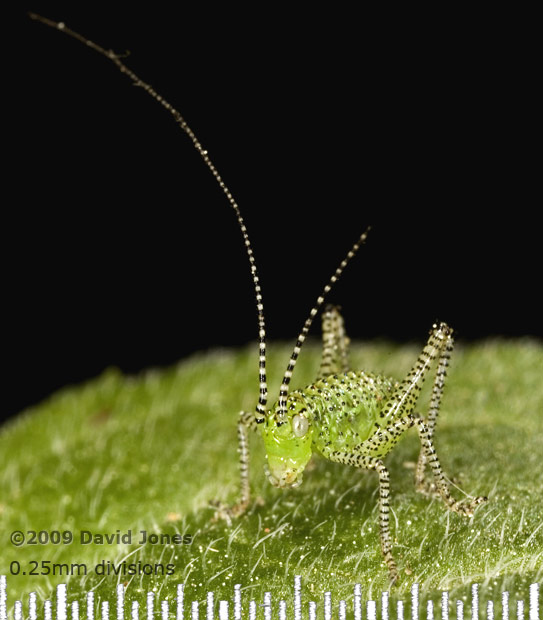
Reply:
x=120, y=249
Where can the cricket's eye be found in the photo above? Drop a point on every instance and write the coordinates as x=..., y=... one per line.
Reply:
x=300, y=425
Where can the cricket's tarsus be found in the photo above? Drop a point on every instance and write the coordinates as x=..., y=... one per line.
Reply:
x=350, y=417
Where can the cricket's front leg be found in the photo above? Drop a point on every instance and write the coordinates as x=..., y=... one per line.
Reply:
x=246, y=422
x=368, y=462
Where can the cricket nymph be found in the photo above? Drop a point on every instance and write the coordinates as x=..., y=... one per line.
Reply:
x=355, y=418
x=337, y=411
x=350, y=417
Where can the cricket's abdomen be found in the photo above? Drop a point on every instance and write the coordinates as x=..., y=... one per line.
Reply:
x=343, y=408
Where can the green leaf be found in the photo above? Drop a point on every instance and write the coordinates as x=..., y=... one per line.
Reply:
x=151, y=452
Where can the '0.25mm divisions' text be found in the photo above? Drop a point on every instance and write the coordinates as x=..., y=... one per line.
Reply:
x=19, y=538
x=105, y=567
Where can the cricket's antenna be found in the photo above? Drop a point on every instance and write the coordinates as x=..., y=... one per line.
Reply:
x=263, y=395
x=281, y=416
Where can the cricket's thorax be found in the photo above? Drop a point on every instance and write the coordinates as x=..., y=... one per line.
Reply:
x=339, y=411
x=343, y=408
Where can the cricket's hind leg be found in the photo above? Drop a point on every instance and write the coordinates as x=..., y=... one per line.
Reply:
x=441, y=485
x=422, y=484
x=335, y=344
x=403, y=401
x=402, y=404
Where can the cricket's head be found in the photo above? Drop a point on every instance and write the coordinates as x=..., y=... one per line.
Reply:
x=288, y=444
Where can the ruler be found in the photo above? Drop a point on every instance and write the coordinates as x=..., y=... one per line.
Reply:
x=267, y=609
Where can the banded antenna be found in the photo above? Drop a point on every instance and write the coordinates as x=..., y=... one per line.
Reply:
x=263, y=394
x=281, y=415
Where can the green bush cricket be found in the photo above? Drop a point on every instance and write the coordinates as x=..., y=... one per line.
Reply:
x=347, y=416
